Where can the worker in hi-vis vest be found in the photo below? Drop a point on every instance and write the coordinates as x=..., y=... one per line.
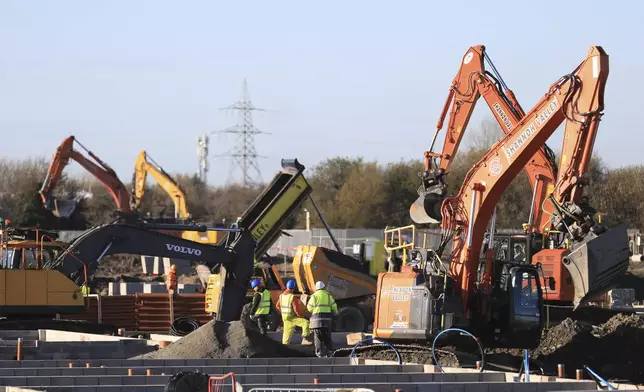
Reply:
x=292, y=315
x=322, y=307
x=261, y=307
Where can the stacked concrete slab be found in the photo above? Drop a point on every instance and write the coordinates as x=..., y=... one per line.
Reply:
x=98, y=366
x=276, y=373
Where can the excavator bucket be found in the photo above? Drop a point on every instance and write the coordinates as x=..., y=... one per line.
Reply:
x=63, y=208
x=427, y=208
x=597, y=262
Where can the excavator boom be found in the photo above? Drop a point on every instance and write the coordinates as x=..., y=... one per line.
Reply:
x=80, y=260
x=577, y=97
x=98, y=168
x=500, y=298
x=471, y=82
x=145, y=165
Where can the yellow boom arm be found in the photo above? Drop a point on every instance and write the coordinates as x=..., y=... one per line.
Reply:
x=144, y=165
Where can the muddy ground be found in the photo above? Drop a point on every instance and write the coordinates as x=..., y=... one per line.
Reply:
x=614, y=350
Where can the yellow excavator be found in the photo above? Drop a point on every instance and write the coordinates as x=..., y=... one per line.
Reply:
x=347, y=278
x=145, y=165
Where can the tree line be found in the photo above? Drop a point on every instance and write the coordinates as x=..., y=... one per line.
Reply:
x=352, y=192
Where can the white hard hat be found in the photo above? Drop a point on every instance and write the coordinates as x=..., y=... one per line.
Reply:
x=319, y=285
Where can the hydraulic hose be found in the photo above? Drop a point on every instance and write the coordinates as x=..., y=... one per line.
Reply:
x=182, y=326
x=462, y=331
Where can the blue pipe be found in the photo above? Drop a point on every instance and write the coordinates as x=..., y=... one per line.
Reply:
x=463, y=332
x=371, y=338
x=598, y=377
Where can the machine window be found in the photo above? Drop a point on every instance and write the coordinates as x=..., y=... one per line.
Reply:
x=525, y=290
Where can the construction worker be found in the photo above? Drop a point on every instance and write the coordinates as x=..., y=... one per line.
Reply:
x=261, y=307
x=292, y=315
x=85, y=289
x=322, y=307
x=171, y=280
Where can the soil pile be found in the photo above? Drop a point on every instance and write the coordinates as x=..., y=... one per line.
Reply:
x=223, y=340
x=613, y=349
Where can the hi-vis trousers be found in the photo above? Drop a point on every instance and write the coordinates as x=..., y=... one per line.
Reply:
x=289, y=327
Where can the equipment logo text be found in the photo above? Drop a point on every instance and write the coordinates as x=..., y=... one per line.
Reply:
x=502, y=115
x=183, y=249
x=539, y=121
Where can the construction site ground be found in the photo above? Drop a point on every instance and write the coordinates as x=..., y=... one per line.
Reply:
x=55, y=366
x=610, y=345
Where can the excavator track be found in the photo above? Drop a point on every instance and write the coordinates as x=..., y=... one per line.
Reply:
x=410, y=349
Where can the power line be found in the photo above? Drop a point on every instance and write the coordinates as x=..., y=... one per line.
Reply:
x=244, y=154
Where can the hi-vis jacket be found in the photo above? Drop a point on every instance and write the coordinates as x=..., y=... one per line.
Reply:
x=287, y=305
x=322, y=307
x=264, y=304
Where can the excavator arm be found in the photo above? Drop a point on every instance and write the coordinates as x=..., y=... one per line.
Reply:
x=576, y=97
x=145, y=165
x=98, y=168
x=471, y=82
x=81, y=259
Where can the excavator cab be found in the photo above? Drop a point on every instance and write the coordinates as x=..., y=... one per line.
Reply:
x=525, y=302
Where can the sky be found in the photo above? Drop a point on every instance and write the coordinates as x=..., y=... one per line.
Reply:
x=337, y=78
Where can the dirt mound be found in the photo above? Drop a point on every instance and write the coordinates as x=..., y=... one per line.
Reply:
x=612, y=349
x=223, y=340
x=558, y=336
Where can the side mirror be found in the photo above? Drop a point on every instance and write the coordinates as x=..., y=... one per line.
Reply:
x=551, y=283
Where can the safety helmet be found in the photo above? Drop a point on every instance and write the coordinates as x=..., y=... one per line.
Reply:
x=254, y=283
x=319, y=285
x=173, y=267
x=290, y=284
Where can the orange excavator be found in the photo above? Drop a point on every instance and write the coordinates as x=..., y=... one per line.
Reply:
x=472, y=82
x=99, y=169
x=498, y=299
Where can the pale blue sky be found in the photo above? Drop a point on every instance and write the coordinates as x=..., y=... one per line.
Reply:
x=339, y=77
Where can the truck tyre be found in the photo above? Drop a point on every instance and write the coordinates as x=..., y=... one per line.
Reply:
x=350, y=319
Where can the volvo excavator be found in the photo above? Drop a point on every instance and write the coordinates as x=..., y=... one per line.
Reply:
x=99, y=169
x=145, y=165
x=41, y=277
x=501, y=300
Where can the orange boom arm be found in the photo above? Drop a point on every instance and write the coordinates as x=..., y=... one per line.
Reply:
x=98, y=168
x=471, y=82
x=577, y=97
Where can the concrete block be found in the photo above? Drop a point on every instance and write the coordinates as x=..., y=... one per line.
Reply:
x=61, y=381
x=281, y=378
x=255, y=378
x=351, y=378
x=86, y=380
x=478, y=387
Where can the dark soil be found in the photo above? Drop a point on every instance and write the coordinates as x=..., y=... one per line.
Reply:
x=612, y=349
x=223, y=340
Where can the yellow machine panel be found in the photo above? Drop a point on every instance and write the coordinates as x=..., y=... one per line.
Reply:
x=204, y=237
x=213, y=289
x=38, y=291
x=335, y=269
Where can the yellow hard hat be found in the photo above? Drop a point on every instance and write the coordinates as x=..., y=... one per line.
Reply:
x=173, y=267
